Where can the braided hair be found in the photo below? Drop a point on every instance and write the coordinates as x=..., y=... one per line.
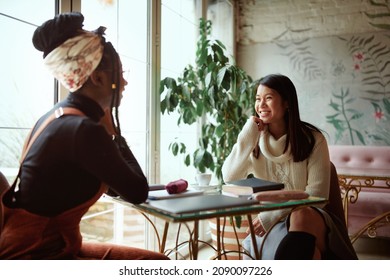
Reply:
x=53, y=33
x=111, y=56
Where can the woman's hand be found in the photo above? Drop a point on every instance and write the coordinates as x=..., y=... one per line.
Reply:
x=259, y=123
x=258, y=227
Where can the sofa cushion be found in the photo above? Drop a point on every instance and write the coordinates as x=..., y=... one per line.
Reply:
x=361, y=160
x=370, y=162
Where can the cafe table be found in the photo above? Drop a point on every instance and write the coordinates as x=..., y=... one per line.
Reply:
x=209, y=206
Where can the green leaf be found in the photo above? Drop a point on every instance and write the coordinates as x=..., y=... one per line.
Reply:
x=202, y=54
x=334, y=106
x=163, y=106
x=360, y=136
x=220, y=130
x=333, y=116
x=183, y=148
x=357, y=116
x=221, y=76
x=170, y=83
x=208, y=79
x=227, y=81
x=187, y=160
x=220, y=44
x=175, y=148
x=386, y=103
x=338, y=125
x=345, y=93
x=207, y=159
x=198, y=156
x=188, y=116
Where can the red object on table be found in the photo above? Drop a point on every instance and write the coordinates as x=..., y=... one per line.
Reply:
x=177, y=186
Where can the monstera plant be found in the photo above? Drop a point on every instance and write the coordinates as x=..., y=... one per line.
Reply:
x=215, y=93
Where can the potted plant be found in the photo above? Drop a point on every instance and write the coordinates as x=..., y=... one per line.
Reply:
x=213, y=92
x=216, y=94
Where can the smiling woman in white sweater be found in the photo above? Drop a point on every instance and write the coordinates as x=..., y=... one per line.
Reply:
x=276, y=145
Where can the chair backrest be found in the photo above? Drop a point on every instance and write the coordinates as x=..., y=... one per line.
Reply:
x=335, y=205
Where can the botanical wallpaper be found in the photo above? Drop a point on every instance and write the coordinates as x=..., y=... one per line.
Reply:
x=343, y=83
x=370, y=56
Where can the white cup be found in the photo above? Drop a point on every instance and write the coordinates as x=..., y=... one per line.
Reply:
x=203, y=179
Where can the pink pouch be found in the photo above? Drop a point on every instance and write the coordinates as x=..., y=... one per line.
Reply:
x=280, y=195
x=177, y=186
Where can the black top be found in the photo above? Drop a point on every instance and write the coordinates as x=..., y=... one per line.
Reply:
x=73, y=155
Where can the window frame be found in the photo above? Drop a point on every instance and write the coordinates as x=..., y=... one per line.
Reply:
x=153, y=113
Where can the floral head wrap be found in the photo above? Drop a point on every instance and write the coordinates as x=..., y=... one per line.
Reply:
x=73, y=61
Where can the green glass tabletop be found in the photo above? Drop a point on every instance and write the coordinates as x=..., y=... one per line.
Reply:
x=212, y=205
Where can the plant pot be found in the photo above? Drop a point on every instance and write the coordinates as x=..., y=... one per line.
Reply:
x=231, y=238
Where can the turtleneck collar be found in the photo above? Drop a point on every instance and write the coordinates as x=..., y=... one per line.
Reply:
x=273, y=149
x=89, y=107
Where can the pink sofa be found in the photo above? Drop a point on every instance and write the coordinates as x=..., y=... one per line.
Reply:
x=364, y=176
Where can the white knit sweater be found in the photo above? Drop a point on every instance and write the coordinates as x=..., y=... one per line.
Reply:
x=311, y=175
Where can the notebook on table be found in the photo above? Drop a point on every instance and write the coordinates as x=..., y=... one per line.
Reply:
x=163, y=194
x=199, y=203
x=249, y=186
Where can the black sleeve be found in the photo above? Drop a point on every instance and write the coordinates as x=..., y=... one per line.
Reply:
x=112, y=162
x=125, y=150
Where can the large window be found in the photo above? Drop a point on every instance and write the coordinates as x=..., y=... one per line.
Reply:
x=127, y=29
x=129, y=23
x=26, y=88
x=179, y=32
x=155, y=39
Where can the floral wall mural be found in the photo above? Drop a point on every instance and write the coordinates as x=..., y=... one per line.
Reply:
x=370, y=56
x=343, y=83
x=342, y=75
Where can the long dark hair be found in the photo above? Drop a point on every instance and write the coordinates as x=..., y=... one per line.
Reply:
x=299, y=133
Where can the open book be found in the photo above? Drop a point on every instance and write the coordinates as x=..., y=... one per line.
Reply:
x=247, y=187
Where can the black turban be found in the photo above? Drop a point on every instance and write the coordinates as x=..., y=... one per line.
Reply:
x=54, y=32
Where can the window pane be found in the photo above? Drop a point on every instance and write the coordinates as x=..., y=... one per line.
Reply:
x=126, y=23
x=179, y=25
x=179, y=33
x=27, y=88
x=221, y=14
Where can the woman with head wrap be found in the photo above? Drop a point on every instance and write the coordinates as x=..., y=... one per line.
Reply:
x=74, y=153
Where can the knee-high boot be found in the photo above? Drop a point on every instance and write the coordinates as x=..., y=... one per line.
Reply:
x=296, y=245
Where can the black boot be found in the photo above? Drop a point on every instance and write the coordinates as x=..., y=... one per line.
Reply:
x=296, y=245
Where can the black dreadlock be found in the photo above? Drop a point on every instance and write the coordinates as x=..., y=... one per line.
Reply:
x=116, y=79
x=115, y=85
